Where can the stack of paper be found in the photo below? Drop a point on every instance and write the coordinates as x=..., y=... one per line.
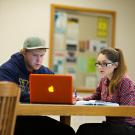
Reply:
x=96, y=103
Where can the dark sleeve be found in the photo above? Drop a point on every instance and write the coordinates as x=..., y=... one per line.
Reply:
x=44, y=70
x=8, y=74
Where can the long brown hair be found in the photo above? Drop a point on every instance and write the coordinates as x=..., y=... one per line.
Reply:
x=115, y=55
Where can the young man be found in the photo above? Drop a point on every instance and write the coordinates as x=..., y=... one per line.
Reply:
x=21, y=64
x=17, y=69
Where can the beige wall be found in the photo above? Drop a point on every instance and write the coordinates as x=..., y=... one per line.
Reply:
x=22, y=18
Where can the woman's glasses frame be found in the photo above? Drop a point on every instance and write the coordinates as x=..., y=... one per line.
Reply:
x=98, y=64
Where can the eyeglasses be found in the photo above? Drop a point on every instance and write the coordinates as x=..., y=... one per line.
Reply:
x=103, y=64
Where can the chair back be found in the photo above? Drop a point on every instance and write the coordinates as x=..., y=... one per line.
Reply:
x=9, y=97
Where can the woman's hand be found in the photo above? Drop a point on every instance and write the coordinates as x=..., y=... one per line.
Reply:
x=78, y=98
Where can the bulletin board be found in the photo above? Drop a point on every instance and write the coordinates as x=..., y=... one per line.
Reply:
x=76, y=36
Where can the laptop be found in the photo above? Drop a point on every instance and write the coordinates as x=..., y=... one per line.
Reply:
x=51, y=88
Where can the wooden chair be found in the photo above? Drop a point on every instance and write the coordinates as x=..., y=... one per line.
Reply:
x=9, y=97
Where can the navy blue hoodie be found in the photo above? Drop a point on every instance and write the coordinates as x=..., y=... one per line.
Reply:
x=14, y=70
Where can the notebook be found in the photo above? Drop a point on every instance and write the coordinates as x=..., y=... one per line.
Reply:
x=50, y=88
x=96, y=103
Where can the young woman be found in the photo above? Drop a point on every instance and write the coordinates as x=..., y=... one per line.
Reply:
x=114, y=86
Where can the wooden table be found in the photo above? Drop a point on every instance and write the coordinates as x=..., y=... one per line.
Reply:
x=65, y=111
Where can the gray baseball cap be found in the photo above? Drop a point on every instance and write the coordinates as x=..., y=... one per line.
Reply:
x=34, y=43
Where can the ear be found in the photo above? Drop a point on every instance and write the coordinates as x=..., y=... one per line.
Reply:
x=23, y=52
x=116, y=64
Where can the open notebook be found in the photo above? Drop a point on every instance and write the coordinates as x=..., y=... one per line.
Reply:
x=96, y=103
x=50, y=88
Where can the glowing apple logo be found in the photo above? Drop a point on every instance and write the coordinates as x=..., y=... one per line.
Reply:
x=51, y=89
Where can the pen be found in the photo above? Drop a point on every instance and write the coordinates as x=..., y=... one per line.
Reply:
x=75, y=93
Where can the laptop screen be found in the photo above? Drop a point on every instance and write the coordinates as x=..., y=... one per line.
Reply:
x=50, y=88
